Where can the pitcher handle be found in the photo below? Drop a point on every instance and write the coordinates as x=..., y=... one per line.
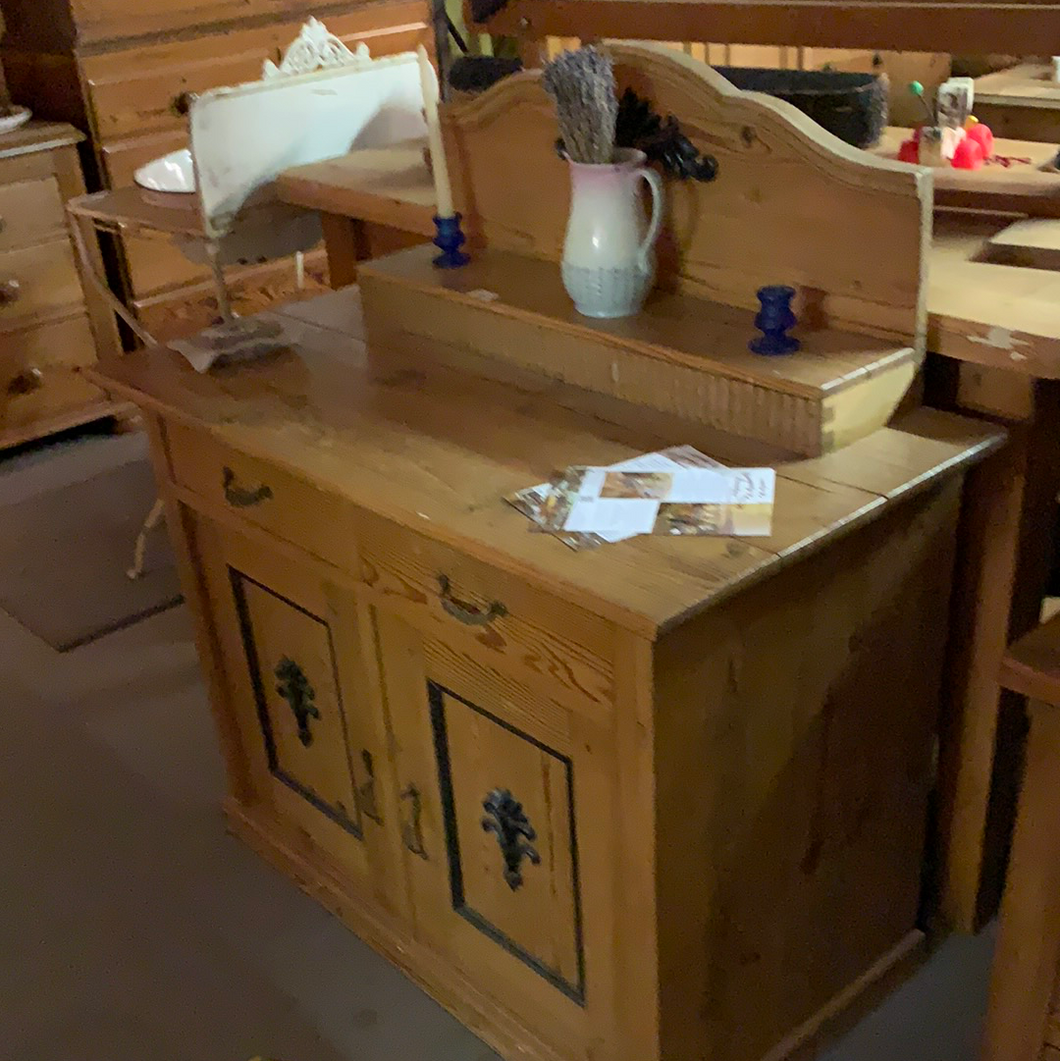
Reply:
x=655, y=183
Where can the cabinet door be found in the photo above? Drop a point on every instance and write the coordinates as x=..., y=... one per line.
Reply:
x=301, y=689
x=507, y=823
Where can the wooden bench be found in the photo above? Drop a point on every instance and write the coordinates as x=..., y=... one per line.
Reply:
x=1023, y=1022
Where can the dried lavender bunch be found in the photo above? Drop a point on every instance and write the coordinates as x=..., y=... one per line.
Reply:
x=582, y=83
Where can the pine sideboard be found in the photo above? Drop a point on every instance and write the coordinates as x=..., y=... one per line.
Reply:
x=664, y=799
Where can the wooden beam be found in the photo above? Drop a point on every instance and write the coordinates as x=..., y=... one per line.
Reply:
x=906, y=25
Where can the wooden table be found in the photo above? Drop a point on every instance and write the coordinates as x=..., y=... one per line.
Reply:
x=1021, y=101
x=999, y=329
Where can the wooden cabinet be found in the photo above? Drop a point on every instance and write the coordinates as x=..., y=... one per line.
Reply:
x=656, y=800
x=48, y=322
x=124, y=75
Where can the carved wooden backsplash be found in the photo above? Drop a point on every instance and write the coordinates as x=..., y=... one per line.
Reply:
x=791, y=204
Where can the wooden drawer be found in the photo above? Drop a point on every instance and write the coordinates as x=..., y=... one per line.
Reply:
x=140, y=90
x=47, y=279
x=263, y=495
x=31, y=212
x=190, y=309
x=553, y=647
x=40, y=372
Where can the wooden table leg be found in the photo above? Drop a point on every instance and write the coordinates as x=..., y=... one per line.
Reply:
x=350, y=240
x=347, y=244
x=1028, y=945
x=1003, y=561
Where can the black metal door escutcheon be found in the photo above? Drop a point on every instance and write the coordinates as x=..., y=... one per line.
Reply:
x=294, y=687
x=505, y=817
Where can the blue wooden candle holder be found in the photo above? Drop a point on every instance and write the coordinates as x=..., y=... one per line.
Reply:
x=449, y=240
x=773, y=320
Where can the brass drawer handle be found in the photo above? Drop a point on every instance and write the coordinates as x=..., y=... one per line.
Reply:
x=515, y=835
x=26, y=382
x=294, y=687
x=10, y=292
x=412, y=827
x=464, y=612
x=240, y=497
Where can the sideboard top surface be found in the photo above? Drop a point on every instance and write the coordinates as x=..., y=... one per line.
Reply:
x=435, y=440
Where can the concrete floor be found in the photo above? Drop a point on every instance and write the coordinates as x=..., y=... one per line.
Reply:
x=132, y=928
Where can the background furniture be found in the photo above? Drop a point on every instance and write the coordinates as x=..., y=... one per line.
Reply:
x=1006, y=26
x=1023, y=102
x=49, y=329
x=121, y=70
x=1023, y=1021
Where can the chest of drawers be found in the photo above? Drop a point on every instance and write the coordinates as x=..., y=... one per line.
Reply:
x=658, y=800
x=123, y=74
x=47, y=335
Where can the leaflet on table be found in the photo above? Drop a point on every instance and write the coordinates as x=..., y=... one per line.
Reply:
x=548, y=504
x=621, y=504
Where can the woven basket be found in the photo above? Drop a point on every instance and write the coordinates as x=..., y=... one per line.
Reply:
x=852, y=106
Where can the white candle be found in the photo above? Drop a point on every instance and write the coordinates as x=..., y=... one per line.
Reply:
x=442, y=189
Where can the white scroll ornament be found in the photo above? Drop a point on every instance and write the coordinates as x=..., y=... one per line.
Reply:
x=315, y=49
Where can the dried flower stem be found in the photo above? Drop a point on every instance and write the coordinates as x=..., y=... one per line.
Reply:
x=582, y=83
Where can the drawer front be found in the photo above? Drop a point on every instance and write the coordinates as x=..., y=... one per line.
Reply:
x=38, y=282
x=31, y=212
x=40, y=373
x=506, y=816
x=260, y=493
x=551, y=645
x=107, y=20
x=144, y=89
x=190, y=309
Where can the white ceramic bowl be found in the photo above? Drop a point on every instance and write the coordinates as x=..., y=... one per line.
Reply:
x=15, y=120
x=173, y=173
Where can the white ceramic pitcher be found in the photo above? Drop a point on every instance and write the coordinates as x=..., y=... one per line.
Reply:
x=608, y=255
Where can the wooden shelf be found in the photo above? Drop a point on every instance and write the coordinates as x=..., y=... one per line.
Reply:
x=681, y=354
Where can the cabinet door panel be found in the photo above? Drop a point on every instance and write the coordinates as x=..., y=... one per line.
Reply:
x=507, y=805
x=291, y=657
x=306, y=705
x=510, y=836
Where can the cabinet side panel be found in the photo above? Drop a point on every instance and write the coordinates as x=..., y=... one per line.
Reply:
x=794, y=728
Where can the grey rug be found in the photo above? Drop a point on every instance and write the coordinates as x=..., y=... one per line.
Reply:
x=64, y=554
